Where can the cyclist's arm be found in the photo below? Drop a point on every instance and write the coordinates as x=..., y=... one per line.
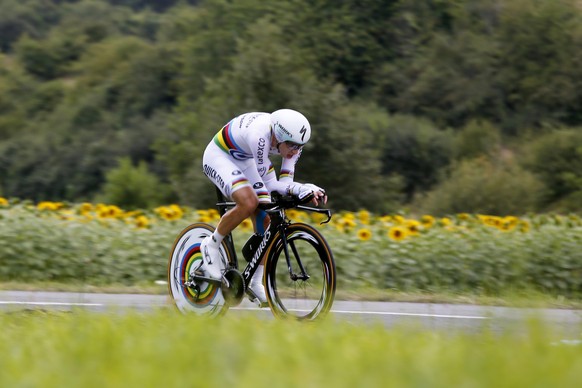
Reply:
x=275, y=185
x=287, y=173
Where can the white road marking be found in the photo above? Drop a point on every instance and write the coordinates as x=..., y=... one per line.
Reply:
x=376, y=313
x=409, y=314
x=50, y=303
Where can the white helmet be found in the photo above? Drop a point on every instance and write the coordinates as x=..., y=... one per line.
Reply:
x=290, y=125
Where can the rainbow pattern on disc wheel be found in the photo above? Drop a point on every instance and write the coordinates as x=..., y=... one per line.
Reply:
x=205, y=298
x=189, y=262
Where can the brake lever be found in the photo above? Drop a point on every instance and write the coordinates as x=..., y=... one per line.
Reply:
x=327, y=212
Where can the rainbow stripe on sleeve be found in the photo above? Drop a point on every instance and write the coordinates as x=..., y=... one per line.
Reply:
x=286, y=174
x=264, y=196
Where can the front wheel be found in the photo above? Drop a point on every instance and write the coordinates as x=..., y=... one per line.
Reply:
x=191, y=296
x=306, y=290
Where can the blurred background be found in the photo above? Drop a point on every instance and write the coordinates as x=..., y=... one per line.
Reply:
x=438, y=107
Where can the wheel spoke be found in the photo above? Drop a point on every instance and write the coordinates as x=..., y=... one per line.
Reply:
x=301, y=297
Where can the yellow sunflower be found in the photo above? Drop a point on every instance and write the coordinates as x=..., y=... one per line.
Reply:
x=247, y=224
x=523, y=226
x=85, y=208
x=427, y=221
x=398, y=219
x=214, y=214
x=205, y=219
x=445, y=221
x=177, y=211
x=318, y=217
x=364, y=234
x=108, y=211
x=345, y=224
x=413, y=227
x=508, y=223
x=386, y=219
x=398, y=233
x=292, y=214
x=202, y=213
x=142, y=222
x=364, y=217
x=46, y=205
x=490, y=220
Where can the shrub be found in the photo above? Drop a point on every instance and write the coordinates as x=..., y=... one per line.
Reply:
x=477, y=138
x=557, y=159
x=133, y=186
x=416, y=150
x=481, y=186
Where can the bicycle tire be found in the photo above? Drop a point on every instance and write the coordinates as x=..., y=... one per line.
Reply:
x=298, y=299
x=185, y=257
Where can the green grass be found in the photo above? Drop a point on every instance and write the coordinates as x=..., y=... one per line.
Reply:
x=166, y=349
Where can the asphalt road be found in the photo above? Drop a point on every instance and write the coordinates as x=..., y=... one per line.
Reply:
x=438, y=317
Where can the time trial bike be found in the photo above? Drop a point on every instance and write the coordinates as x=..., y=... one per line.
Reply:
x=299, y=275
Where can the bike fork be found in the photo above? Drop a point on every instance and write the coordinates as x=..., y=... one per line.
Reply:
x=294, y=276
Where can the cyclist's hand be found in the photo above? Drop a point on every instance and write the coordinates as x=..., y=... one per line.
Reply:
x=318, y=194
x=309, y=192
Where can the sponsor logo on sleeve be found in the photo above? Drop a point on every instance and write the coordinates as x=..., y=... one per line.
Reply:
x=261, y=151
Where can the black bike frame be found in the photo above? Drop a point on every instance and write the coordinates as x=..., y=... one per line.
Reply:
x=277, y=224
x=268, y=237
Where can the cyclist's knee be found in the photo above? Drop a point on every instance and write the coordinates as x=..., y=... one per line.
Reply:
x=247, y=201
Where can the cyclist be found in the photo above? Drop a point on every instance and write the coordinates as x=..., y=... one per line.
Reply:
x=237, y=162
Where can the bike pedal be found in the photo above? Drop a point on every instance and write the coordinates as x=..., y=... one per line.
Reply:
x=254, y=299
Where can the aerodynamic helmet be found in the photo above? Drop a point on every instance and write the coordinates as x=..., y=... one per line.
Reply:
x=290, y=125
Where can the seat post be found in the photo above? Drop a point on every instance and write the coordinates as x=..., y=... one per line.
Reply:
x=220, y=198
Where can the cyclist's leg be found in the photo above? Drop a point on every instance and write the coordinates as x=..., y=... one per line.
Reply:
x=260, y=217
x=260, y=221
x=227, y=174
x=246, y=203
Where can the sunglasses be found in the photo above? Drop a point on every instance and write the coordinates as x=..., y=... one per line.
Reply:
x=293, y=146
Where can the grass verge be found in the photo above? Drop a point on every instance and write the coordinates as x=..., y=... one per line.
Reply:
x=162, y=348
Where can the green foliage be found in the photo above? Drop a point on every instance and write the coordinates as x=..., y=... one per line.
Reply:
x=515, y=65
x=85, y=82
x=111, y=348
x=484, y=261
x=539, y=55
x=50, y=58
x=132, y=186
x=483, y=186
x=467, y=256
x=416, y=150
x=557, y=158
x=25, y=17
x=477, y=138
x=104, y=253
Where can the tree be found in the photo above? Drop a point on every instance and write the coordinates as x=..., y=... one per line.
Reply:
x=132, y=187
x=416, y=150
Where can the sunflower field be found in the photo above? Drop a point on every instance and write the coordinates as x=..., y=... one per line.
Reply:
x=103, y=244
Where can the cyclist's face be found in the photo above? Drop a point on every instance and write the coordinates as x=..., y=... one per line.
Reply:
x=288, y=149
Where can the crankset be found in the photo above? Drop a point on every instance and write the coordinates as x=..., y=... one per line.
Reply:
x=233, y=287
